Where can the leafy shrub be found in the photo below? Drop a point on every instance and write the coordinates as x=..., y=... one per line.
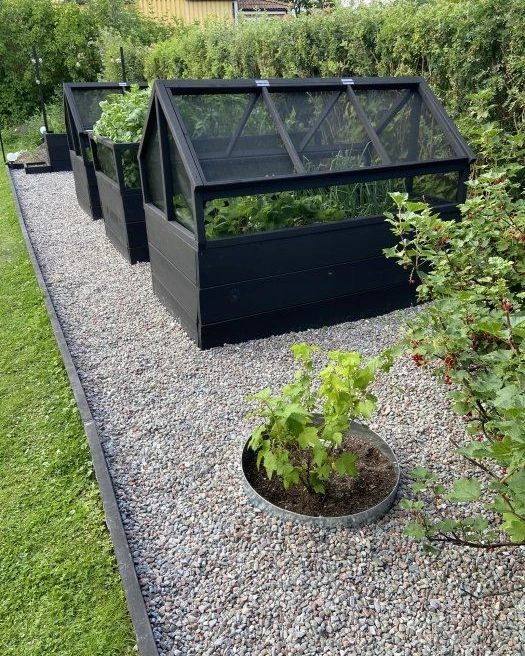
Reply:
x=68, y=37
x=135, y=54
x=473, y=337
x=299, y=446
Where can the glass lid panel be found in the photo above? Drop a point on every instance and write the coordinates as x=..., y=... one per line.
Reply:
x=326, y=130
x=405, y=125
x=233, y=135
x=88, y=101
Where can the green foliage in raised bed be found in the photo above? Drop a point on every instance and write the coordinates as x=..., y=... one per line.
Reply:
x=259, y=213
x=122, y=121
x=61, y=592
x=123, y=116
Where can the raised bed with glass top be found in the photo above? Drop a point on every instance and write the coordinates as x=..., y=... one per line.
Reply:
x=82, y=110
x=265, y=199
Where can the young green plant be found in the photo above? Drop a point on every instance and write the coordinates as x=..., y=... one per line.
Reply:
x=302, y=434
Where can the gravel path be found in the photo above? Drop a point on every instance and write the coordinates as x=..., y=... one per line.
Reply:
x=219, y=577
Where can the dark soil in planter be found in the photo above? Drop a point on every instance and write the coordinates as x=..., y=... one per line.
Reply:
x=344, y=495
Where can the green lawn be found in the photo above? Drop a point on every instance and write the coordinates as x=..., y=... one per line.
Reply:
x=61, y=592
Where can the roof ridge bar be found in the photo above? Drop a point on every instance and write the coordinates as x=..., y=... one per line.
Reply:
x=372, y=134
x=326, y=110
x=288, y=143
x=244, y=119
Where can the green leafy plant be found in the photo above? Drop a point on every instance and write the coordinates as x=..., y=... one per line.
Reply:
x=473, y=338
x=286, y=209
x=301, y=437
x=123, y=116
x=122, y=121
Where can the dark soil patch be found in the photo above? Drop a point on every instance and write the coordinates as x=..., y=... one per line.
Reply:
x=344, y=495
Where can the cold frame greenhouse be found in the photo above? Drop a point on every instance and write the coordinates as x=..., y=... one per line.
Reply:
x=265, y=199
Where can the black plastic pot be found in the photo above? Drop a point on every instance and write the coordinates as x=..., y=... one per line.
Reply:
x=120, y=193
x=58, y=151
x=352, y=521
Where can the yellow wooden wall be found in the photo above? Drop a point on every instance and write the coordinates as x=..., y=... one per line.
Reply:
x=188, y=10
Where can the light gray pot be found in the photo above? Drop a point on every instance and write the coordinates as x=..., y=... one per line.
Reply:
x=357, y=519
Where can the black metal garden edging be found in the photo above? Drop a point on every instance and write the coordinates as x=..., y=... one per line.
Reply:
x=82, y=110
x=134, y=599
x=226, y=140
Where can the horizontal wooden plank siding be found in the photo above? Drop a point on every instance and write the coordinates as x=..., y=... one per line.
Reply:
x=187, y=10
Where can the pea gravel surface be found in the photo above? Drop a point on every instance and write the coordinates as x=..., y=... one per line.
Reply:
x=219, y=577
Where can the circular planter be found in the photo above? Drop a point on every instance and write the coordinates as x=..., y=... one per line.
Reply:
x=357, y=519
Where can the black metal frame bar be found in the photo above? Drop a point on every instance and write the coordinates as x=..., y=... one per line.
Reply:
x=372, y=135
x=326, y=179
x=391, y=113
x=332, y=101
x=244, y=119
x=285, y=137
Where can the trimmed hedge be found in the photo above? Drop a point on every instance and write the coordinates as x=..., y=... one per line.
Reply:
x=458, y=46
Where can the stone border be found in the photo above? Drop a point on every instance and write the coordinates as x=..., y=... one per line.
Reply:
x=135, y=601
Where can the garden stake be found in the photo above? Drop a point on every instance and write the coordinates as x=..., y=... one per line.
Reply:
x=2, y=147
x=123, y=64
x=36, y=61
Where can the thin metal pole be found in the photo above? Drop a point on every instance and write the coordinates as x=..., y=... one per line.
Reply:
x=2, y=147
x=36, y=62
x=123, y=65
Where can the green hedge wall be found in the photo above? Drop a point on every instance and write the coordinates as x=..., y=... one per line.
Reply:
x=459, y=46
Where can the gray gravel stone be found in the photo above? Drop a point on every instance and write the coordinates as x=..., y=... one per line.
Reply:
x=218, y=576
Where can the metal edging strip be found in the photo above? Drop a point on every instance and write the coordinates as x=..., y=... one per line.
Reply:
x=134, y=599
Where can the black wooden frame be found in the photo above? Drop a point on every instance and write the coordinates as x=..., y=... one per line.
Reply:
x=231, y=288
x=122, y=208
x=79, y=145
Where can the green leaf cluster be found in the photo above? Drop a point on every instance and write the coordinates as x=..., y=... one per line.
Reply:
x=123, y=115
x=301, y=436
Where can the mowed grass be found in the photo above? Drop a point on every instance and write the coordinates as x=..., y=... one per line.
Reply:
x=60, y=590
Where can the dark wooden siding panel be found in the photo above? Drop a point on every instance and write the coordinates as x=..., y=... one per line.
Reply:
x=344, y=308
x=164, y=237
x=293, y=252
x=175, y=282
x=314, y=285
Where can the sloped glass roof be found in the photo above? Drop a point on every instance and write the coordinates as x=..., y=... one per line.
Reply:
x=244, y=130
x=82, y=100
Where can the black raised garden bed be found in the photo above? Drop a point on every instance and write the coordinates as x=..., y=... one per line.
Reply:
x=120, y=193
x=265, y=199
x=58, y=151
x=82, y=110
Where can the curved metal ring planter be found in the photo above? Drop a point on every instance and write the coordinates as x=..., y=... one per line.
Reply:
x=352, y=521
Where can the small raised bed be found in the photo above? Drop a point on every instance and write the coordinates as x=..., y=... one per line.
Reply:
x=118, y=181
x=58, y=151
x=265, y=199
x=82, y=110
